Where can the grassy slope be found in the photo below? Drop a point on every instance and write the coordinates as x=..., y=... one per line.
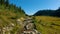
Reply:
x=8, y=16
x=47, y=24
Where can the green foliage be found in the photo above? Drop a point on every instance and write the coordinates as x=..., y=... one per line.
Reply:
x=2, y=2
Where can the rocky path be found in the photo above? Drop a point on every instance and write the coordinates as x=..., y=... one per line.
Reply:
x=29, y=27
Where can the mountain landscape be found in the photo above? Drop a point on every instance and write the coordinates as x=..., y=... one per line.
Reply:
x=47, y=21
x=14, y=20
x=55, y=13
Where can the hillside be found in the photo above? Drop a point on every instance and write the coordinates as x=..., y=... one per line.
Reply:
x=47, y=24
x=47, y=21
x=9, y=14
x=55, y=13
x=13, y=20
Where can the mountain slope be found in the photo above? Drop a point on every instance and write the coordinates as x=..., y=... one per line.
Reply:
x=9, y=14
x=55, y=13
x=47, y=21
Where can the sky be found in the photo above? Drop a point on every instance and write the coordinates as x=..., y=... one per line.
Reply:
x=32, y=6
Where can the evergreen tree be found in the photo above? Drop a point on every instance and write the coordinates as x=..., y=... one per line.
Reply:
x=7, y=3
x=2, y=2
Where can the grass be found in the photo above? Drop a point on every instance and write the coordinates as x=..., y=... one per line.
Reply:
x=8, y=16
x=47, y=24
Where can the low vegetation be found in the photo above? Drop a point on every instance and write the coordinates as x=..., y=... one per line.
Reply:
x=9, y=13
x=47, y=24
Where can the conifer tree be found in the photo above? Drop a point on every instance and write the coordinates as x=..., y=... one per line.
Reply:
x=2, y=2
x=7, y=2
